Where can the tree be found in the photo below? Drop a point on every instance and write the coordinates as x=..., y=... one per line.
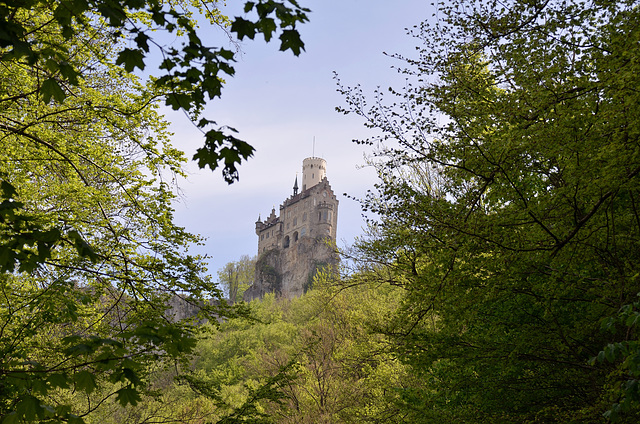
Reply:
x=317, y=355
x=508, y=204
x=191, y=75
x=89, y=252
x=237, y=276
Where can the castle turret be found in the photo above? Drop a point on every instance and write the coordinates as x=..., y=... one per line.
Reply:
x=313, y=171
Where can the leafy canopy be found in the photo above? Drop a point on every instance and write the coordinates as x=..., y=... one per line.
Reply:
x=508, y=204
x=90, y=256
x=191, y=71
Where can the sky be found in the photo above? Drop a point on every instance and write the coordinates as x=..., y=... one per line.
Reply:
x=280, y=103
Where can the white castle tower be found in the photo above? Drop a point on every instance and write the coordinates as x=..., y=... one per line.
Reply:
x=313, y=171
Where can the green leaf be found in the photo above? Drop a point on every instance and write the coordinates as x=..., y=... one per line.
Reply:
x=178, y=101
x=142, y=40
x=49, y=236
x=30, y=408
x=85, y=381
x=226, y=54
x=267, y=26
x=58, y=380
x=128, y=396
x=131, y=59
x=82, y=247
x=63, y=13
x=51, y=89
x=290, y=40
x=243, y=28
x=8, y=190
x=74, y=419
x=69, y=72
x=11, y=418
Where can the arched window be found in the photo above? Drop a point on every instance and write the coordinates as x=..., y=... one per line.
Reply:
x=295, y=237
x=286, y=242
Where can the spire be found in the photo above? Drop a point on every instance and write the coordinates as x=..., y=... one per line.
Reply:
x=295, y=186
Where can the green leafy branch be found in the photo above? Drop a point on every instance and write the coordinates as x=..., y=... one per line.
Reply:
x=24, y=241
x=627, y=355
x=193, y=72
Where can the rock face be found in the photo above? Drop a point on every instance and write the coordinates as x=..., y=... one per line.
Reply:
x=294, y=244
x=289, y=273
x=179, y=309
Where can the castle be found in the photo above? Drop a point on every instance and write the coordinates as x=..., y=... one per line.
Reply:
x=295, y=244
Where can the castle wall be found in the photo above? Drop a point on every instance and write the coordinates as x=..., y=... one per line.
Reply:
x=312, y=213
x=293, y=245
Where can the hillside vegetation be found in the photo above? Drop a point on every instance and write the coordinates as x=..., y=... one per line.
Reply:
x=497, y=281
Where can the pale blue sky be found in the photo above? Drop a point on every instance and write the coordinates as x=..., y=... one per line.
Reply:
x=279, y=103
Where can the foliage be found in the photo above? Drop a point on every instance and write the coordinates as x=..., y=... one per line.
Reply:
x=508, y=204
x=627, y=354
x=312, y=359
x=88, y=172
x=191, y=74
x=89, y=252
x=237, y=276
x=165, y=401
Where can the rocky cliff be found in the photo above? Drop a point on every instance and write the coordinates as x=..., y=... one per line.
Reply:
x=290, y=272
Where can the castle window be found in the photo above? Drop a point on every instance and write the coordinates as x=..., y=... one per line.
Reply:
x=295, y=237
x=295, y=221
x=303, y=232
x=287, y=225
x=329, y=216
x=319, y=216
x=267, y=235
x=286, y=242
x=304, y=217
x=262, y=237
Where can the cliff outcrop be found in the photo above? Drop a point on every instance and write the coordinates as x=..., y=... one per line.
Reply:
x=290, y=272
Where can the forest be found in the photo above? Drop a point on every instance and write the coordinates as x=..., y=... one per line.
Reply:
x=497, y=280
